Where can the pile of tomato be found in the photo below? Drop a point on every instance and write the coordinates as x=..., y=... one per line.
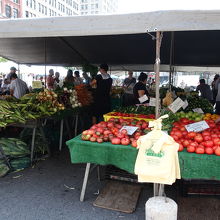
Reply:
x=112, y=131
x=120, y=114
x=205, y=142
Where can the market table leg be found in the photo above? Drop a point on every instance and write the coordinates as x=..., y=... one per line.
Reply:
x=45, y=140
x=85, y=180
x=32, y=144
x=76, y=124
x=61, y=135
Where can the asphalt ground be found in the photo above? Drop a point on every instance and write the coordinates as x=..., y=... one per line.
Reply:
x=50, y=190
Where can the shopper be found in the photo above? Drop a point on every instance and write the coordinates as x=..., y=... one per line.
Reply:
x=87, y=78
x=69, y=80
x=141, y=94
x=77, y=80
x=56, y=80
x=205, y=90
x=102, y=100
x=128, y=85
x=18, y=87
x=12, y=71
x=50, y=79
x=214, y=89
x=5, y=87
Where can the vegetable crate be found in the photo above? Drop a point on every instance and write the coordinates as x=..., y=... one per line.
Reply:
x=109, y=115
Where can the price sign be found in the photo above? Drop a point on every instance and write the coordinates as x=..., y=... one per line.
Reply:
x=185, y=105
x=143, y=99
x=197, y=127
x=152, y=102
x=176, y=105
x=199, y=110
x=129, y=129
x=37, y=85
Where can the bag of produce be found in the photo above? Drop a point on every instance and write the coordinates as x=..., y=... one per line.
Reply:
x=4, y=169
x=20, y=163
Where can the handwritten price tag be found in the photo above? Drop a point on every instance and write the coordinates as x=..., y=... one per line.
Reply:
x=152, y=102
x=176, y=105
x=198, y=110
x=129, y=129
x=36, y=84
x=143, y=99
x=197, y=127
x=185, y=105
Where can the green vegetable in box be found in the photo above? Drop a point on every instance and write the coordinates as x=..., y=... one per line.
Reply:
x=4, y=169
x=146, y=110
x=20, y=163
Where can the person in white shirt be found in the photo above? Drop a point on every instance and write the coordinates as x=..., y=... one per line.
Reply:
x=18, y=87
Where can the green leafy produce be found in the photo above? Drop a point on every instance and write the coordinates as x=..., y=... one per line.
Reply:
x=4, y=169
x=136, y=110
x=20, y=163
x=167, y=123
x=198, y=102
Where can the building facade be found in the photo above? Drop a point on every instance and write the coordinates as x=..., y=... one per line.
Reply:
x=48, y=8
x=92, y=7
x=10, y=8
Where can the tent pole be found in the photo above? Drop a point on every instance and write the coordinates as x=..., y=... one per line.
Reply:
x=171, y=58
x=157, y=72
x=45, y=63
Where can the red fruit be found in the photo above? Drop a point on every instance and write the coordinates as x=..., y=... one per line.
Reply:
x=217, y=151
x=120, y=135
x=209, y=150
x=178, y=134
x=94, y=127
x=180, y=147
x=115, y=140
x=92, y=139
x=207, y=138
x=134, y=143
x=125, y=141
x=107, y=132
x=214, y=135
x=216, y=141
x=95, y=136
x=144, y=125
x=105, y=139
x=191, y=149
x=185, y=143
x=191, y=134
x=175, y=137
x=205, y=133
x=85, y=132
x=184, y=133
x=110, y=125
x=118, y=126
x=99, y=140
x=97, y=133
x=91, y=131
x=198, y=138
x=124, y=131
x=200, y=150
x=136, y=137
x=100, y=130
x=209, y=144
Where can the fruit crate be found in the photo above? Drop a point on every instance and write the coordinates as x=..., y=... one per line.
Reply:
x=108, y=116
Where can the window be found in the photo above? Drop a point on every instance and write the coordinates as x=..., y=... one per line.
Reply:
x=15, y=13
x=39, y=7
x=8, y=11
x=86, y=7
x=97, y=5
x=42, y=9
x=45, y=10
x=31, y=3
x=27, y=2
x=34, y=4
x=16, y=1
x=82, y=7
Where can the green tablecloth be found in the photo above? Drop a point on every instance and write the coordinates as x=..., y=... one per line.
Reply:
x=193, y=166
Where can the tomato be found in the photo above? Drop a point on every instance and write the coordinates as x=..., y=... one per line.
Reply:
x=172, y=132
x=198, y=138
x=191, y=134
x=208, y=143
x=205, y=133
x=217, y=151
x=115, y=140
x=178, y=134
x=200, y=150
x=209, y=150
x=124, y=131
x=175, y=137
x=214, y=135
x=207, y=138
x=92, y=139
x=99, y=140
x=216, y=141
x=180, y=147
x=175, y=129
x=185, y=143
x=134, y=143
x=184, y=133
x=125, y=141
x=191, y=149
x=182, y=128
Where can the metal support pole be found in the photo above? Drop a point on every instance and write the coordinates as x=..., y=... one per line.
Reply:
x=32, y=144
x=76, y=124
x=85, y=180
x=171, y=58
x=45, y=63
x=61, y=135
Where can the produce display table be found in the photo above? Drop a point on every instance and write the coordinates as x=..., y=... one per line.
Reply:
x=193, y=166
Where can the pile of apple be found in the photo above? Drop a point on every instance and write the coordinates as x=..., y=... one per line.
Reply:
x=111, y=131
x=205, y=142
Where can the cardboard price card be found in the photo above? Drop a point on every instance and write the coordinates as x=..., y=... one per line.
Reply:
x=185, y=104
x=129, y=129
x=176, y=105
x=197, y=127
x=198, y=110
x=37, y=85
x=152, y=102
x=143, y=99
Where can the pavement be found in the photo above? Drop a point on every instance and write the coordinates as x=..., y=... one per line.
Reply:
x=50, y=190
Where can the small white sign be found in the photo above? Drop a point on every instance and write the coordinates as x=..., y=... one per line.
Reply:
x=185, y=104
x=176, y=105
x=129, y=129
x=152, y=102
x=197, y=127
x=199, y=110
x=143, y=99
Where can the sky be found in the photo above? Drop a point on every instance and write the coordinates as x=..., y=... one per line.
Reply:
x=131, y=6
